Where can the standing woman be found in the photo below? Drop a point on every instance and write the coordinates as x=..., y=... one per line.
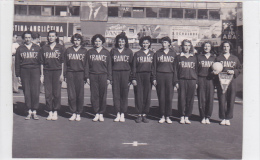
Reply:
x=231, y=65
x=163, y=78
x=122, y=58
x=27, y=70
x=205, y=82
x=142, y=78
x=186, y=79
x=99, y=75
x=52, y=56
x=74, y=74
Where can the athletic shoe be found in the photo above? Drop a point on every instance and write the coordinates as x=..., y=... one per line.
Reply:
x=55, y=116
x=145, y=120
x=228, y=122
x=117, y=117
x=182, y=121
x=96, y=118
x=28, y=116
x=78, y=117
x=187, y=121
x=207, y=121
x=122, y=117
x=168, y=120
x=162, y=120
x=101, y=118
x=34, y=115
x=138, y=119
x=50, y=116
x=223, y=122
x=203, y=121
x=73, y=117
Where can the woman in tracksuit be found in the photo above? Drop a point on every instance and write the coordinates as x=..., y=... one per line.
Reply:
x=52, y=55
x=99, y=75
x=142, y=78
x=231, y=65
x=122, y=58
x=74, y=74
x=186, y=79
x=205, y=82
x=163, y=78
x=27, y=70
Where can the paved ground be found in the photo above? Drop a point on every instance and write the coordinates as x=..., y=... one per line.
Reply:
x=87, y=139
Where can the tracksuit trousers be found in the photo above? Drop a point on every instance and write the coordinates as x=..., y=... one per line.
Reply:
x=75, y=89
x=226, y=100
x=52, y=86
x=205, y=94
x=143, y=92
x=98, y=89
x=186, y=96
x=165, y=90
x=120, y=90
x=30, y=78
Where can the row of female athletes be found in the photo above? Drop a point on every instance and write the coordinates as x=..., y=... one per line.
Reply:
x=98, y=67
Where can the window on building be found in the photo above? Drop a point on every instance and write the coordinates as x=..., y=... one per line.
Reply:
x=214, y=14
x=60, y=10
x=190, y=13
x=34, y=10
x=20, y=9
x=154, y=40
x=202, y=14
x=74, y=10
x=138, y=12
x=151, y=12
x=47, y=10
x=125, y=11
x=112, y=11
x=177, y=13
x=164, y=12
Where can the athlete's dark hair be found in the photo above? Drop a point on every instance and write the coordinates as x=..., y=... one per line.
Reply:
x=203, y=45
x=97, y=36
x=191, y=46
x=166, y=39
x=27, y=32
x=148, y=38
x=53, y=31
x=77, y=36
x=230, y=44
x=121, y=36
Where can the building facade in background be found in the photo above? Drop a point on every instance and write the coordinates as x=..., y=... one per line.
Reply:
x=197, y=21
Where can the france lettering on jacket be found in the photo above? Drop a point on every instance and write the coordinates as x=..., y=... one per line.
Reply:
x=145, y=59
x=76, y=56
x=121, y=58
x=230, y=64
x=206, y=64
x=98, y=58
x=26, y=55
x=55, y=54
x=164, y=58
x=187, y=64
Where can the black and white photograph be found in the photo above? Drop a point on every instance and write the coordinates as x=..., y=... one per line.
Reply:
x=128, y=79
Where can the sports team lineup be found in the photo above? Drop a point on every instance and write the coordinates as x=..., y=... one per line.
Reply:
x=187, y=71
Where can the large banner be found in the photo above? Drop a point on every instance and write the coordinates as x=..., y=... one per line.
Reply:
x=154, y=31
x=93, y=11
x=185, y=32
x=43, y=28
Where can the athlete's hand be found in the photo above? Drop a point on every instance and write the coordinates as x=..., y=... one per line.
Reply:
x=61, y=78
x=88, y=81
x=154, y=83
x=230, y=72
x=19, y=80
x=134, y=82
x=108, y=82
x=177, y=85
x=42, y=79
x=215, y=72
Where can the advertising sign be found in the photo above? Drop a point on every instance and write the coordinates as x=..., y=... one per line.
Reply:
x=154, y=31
x=229, y=30
x=185, y=32
x=112, y=30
